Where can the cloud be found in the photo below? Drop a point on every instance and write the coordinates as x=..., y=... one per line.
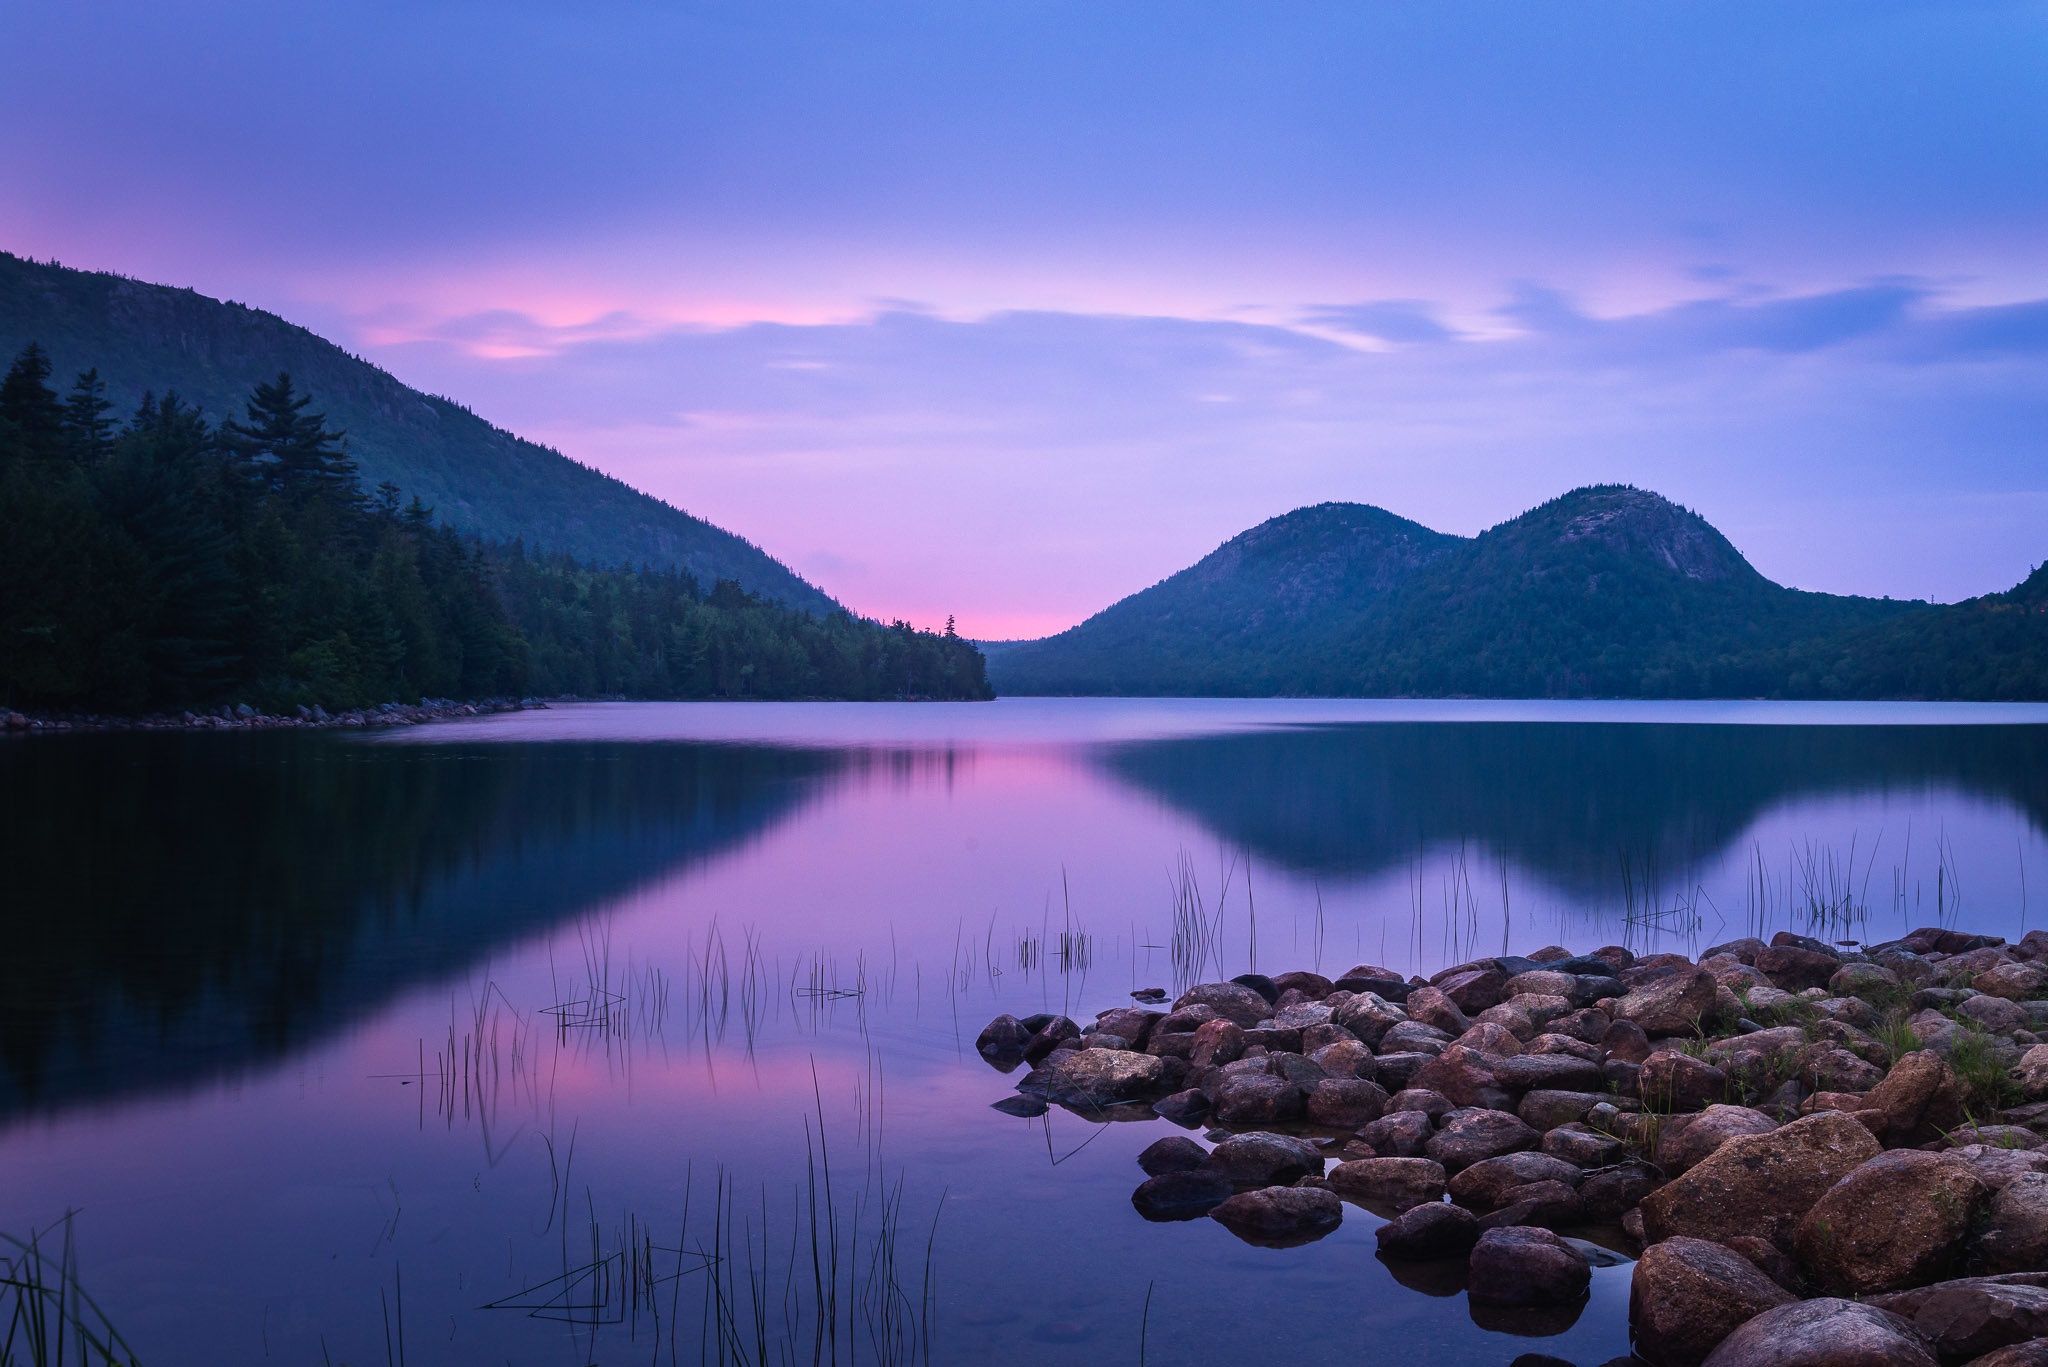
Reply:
x=1387, y=320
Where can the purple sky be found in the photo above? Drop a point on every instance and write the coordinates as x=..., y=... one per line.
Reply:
x=1009, y=309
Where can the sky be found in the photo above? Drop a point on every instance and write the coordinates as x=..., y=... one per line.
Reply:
x=1004, y=309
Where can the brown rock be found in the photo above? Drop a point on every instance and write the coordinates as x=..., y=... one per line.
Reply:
x=1688, y=1294
x=1344, y=1058
x=1430, y=1006
x=1369, y=1017
x=2015, y=1236
x=1540, y=982
x=1548, y=1205
x=1968, y=1318
x=1257, y=1099
x=1483, y=1185
x=1181, y=1195
x=1232, y=1001
x=1475, y=1134
x=1313, y=986
x=1920, y=1098
x=1428, y=1231
x=1546, y=1072
x=1769, y=1260
x=1864, y=980
x=1831, y=1068
x=1586, y=1148
x=1130, y=1022
x=1761, y=1184
x=1280, y=1212
x=1399, y=1182
x=1494, y=1041
x=1260, y=1159
x=1611, y=1192
x=1216, y=1043
x=1399, y=1134
x=1794, y=969
x=1895, y=1221
x=1997, y=1167
x=2032, y=1072
x=1672, y=1003
x=1626, y=1041
x=1464, y=1075
x=1090, y=1079
x=1680, y=1147
x=1546, y=1110
x=1823, y=1333
x=1671, y=1081
x=1345, y=1105
x=1526, y=1266
x=1176, y=1153
x=2033, y=1353
x=2013, y=981
x=1549, y=1043
x=1473, y=990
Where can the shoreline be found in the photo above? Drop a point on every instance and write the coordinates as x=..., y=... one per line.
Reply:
x=243, y=717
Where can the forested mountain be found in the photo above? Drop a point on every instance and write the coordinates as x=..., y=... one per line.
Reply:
x=1604, y=592
x=478, y=478
x=167, y=562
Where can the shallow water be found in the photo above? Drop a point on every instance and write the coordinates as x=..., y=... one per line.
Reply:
x=304, y=1026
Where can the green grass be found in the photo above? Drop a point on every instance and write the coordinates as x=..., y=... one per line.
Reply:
x=1976, y=1063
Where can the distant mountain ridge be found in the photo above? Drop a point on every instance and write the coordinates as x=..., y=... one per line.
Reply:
x=479, y=478
x=1607, y=591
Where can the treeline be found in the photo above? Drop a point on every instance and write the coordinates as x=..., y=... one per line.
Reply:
x=165, y=561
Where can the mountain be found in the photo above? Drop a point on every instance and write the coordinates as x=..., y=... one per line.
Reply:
x=480, y=479
x=1607, y=591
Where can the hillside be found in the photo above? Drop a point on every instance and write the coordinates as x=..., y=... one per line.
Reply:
x=478, y=478
x=1604, y=592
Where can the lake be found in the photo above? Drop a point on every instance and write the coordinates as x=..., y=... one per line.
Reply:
x=566, y=1036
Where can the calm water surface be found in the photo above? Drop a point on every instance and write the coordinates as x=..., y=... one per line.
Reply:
x=304, y=1025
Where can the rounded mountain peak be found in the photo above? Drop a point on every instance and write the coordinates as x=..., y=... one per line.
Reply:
x=1627, y=523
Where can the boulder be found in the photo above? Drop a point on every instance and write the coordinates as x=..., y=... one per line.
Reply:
x=1547, y=1072
x=1823, y=1333
x=1588, y=1026
x=1522, y=1265
x=1435, y=1105
x=1978, y=1315
x=1612, y=1192
x=1090, y=1079
x=1430, y=1006
x=1130, y=1022
x=1510, y=1016
x=1183, y=1108
x=1280, y=1212
x=1547, y=1205
x=2031, y=1072
x=1399, y=1134
x=1761, y=1184
x=1345, y=1104
x=1232, y=1001
x=1895, y=1221
x=1369, y=1017
x=1995, y=1015
x=1343, y=1058
x=1413, y=1037
x=2013, y=981
x=1176, y=1153
x=1475, y=989
x=1793, y=969
x=1397, y=1071
x=1216, y=1043
x=1475, y=1134
x=2033, y=1353
x=1671, y=1081
x=1998, y=1167
x=1313, y=986
x=1866, y=981
x=1005, y=1035
x=1687, y=1295
x=1920, y=1098
x=1626, y=1041
x=1181, y=1195
x=1552, y=1043
x=1743, y=950
x=1544, y=982
x=1464, y=1075
x=1670, y=1001
x=1583, y=1147
x=1546, y=1110
x=1484, y=1185
x=1057, y=1031
x=2015, y=1234
x=1679, y=1147
x=1398, y=1182
x=1257, y=1099
x=1259, y=1159
x=1436, y=1230
x=1494, y=1041
x=1831, y=1068
x=1768, y=1259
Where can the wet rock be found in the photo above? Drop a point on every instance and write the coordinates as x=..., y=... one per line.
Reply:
x=1256, y=1099
x=1343, y=1058
x=1669, y=1002
x=1176, y=1153
x=1680, y=1147
x=1794, y=969
x=1671, y=1081
x=1742, y=950
x=1823, y=1333
x=1187, y=1108
x=1430, y=1006
x=1483, y=1185
x=1345, y=1105
x=1546, y=1110
x=1997, y=1167
x=1462, y=1074
x=1436, y=1230
x=1895, y=1221
x=1547, y=1072
x=1761, y=1184
x=1433, y=1104
x=1414, y=1037
x=1588, y=1026
x=1181, y=1195
x=1262, y=1159
x=1130, y=1022
x=1474, y=1134
x=1625, y=1040
x=1047, y=1037
x=1281, y=1212
x=2015, y=1234
x=1768, y=1259
x=1024, y=1107
x=1473, y=990
x=1093, y=1078
x=1003, y=1035
x=1964, y=1319
x=1232, y=1001
x=1687, y=1295
x=1494, y=1041
x=1521, y=1265
x=1216, y=1043
x=1512, y=1016
x=1399, y=1134
x=1261, y=984
x=1399, y=1182
x=1398, y=1071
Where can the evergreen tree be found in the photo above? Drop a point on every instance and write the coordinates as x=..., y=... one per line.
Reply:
x=34, y=419
x=88, y=431
x=289, y=451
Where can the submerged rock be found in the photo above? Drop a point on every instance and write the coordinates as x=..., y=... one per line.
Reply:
x=1520, y=1265
x=1182, y=1195
x=1399, y=1182
x=1281, y=1212
x=1435, y=1230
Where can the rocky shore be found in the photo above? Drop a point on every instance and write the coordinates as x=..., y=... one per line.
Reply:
x=1820, y=1153
x=246, y=718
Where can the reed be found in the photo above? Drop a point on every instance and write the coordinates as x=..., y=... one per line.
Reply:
x=51, y=1321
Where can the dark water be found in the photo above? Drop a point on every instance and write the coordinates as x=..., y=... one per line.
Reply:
x=302, y=1024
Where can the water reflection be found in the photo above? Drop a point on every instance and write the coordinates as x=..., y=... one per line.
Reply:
x=181, y=905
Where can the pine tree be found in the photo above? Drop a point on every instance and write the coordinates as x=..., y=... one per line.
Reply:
x=29, y=407
x=87, y=429
x=289, y=451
